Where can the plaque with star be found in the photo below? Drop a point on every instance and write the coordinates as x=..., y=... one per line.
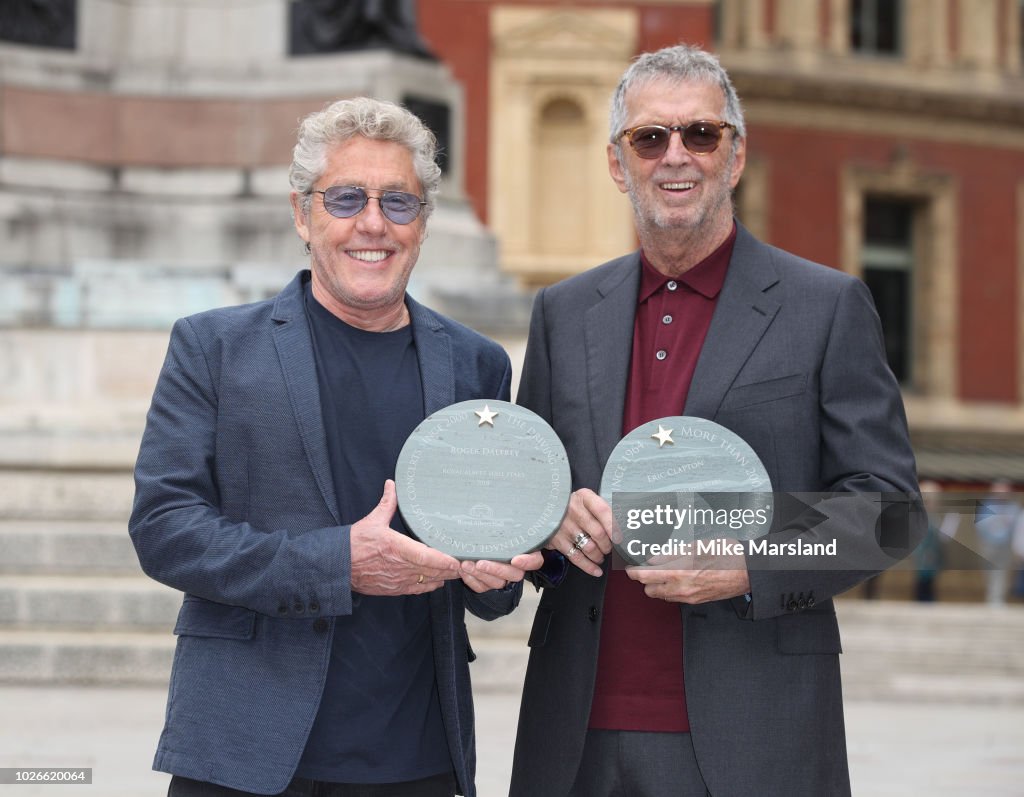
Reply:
x=483, y=480
x=682, y=470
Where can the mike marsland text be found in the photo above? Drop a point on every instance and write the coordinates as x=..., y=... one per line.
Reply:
x=719, y=547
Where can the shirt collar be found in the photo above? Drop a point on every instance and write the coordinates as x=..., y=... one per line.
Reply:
x=705, y=278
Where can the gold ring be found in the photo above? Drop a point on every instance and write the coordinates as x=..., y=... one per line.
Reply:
x=420, y=580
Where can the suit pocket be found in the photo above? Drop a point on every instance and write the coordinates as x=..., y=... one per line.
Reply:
x=203, y=618
x=763, y=392
x=808, y=632
x=541, y=625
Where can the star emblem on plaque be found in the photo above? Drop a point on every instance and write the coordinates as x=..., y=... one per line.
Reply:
x=663, y=436
x=486, y=415
x=483, y=480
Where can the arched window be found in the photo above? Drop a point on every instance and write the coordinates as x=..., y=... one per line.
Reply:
x=560, y=180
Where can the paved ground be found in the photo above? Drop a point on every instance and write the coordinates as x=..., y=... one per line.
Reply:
x=903, y=749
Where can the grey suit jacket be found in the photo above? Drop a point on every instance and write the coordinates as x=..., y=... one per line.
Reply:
x=793, y=363
x=235, y=506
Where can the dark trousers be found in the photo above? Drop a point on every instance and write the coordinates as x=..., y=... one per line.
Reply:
x=436, y=786
x=638, y=764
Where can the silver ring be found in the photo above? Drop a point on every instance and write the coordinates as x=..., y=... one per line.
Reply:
x=571, y=552
x=580, y=540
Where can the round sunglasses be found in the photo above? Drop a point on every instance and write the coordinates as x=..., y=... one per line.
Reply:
x=651, y=141
x=346, y=201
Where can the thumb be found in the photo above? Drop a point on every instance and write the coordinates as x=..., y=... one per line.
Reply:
x=385, y=510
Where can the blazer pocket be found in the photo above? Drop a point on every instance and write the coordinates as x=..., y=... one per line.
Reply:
x=541, y=625
x=203, y=618
x=763, y=392
x=808, y=632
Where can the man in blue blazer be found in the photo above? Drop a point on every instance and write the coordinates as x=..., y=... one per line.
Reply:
x=703, y=681
x=321, y=650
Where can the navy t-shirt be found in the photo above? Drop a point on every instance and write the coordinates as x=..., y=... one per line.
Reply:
x=380, y=718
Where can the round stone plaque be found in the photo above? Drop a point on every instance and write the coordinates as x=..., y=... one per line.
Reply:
x=678, y=480
x=483, y=479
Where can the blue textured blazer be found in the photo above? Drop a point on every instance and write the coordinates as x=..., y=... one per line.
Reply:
x=235, y=506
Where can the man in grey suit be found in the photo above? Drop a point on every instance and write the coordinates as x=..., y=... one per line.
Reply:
x=700, y=681
x=321, y=650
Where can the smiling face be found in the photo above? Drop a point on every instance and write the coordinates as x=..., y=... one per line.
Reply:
x=680, y=193
x=361, y=265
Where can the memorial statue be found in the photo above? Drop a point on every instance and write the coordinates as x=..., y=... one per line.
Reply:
x=327, y=26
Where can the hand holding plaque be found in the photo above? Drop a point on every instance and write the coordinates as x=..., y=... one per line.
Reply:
x=483, y=479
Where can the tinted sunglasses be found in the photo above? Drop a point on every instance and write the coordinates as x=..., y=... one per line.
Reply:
x=346, y=201
x=651, y=141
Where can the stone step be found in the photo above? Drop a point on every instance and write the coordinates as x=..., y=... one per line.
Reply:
x=66, y=494
x=68, y=547
x=78, y=657
x=45, y=437
x=118, y=603
x=106, y=629
x=85, y=657
x=909, y=614
x=127, y=602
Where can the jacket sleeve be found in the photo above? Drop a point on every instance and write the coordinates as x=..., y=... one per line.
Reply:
x=182, y=536
x=869, y=500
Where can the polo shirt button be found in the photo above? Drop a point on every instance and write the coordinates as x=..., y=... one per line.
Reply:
x=592, y=614
x=672, y=285
x=319, y=625
x=666, y=319
x=662, y=354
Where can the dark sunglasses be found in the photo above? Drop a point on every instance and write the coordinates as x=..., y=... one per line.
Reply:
x=346, y=201
x=700, y=138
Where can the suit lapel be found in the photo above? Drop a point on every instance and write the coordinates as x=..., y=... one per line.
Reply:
x=608, y=338
x=434, y=352
x=294, y=344
x=437, y=375
x=743, y=314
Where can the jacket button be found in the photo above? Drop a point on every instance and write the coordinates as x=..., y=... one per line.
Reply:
x=592, y=614
x=282, y=609
x=802, y=603
x=810, y=601
x=298, y=608
x=792, y=605
x=319, y=625
x=314, y=607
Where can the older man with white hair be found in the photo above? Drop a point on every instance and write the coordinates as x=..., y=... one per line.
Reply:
x=321, y=649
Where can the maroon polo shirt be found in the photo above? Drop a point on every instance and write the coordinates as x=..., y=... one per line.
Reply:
x=640, y=661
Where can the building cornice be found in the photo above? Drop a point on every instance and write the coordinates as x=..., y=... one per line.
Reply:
x=943, y=96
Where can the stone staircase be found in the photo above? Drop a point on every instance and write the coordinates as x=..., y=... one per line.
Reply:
x=932, y=652
x=75, y=608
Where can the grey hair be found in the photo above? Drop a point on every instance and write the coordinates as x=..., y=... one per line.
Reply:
x=374, y=119
x=679, y=64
